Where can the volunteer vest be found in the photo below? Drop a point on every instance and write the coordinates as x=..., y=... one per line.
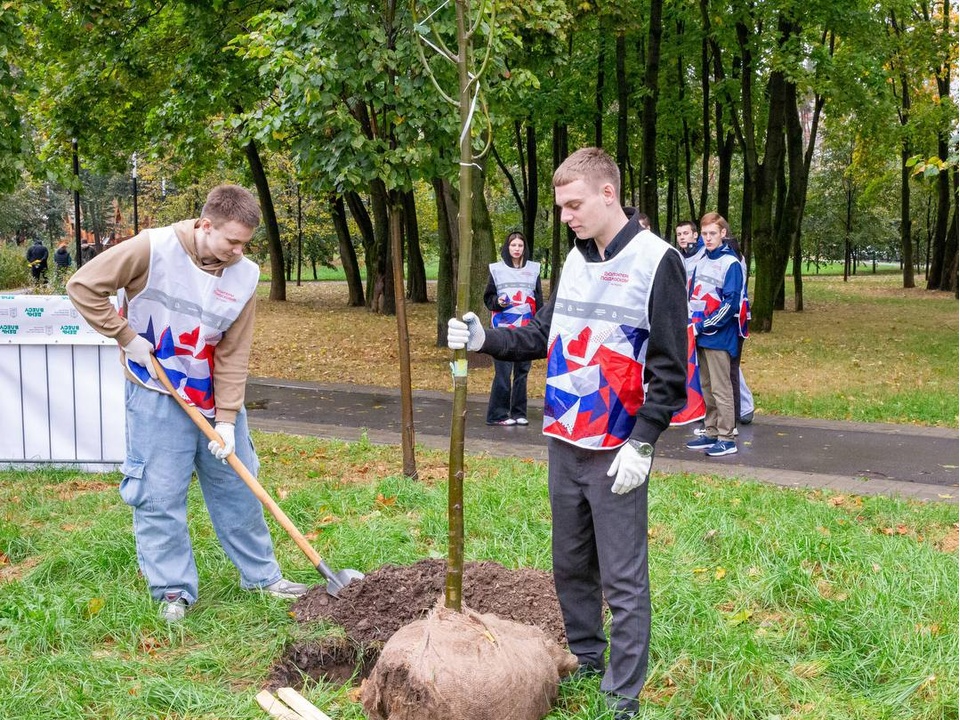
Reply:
x=520, y=285
x=705, y=296
x=184, y=312
x=690, y=262
x=598, y=344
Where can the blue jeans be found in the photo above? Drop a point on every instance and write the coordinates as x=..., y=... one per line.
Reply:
x=164, y=447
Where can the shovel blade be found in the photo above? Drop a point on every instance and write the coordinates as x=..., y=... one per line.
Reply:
x=337, y=581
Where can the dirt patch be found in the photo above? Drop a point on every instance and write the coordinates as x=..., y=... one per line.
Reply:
x=373, y=609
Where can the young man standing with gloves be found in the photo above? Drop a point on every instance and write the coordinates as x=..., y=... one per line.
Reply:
x=187, y=298
x=614, y=334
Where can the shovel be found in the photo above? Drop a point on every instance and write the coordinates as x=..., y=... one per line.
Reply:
x=336, y=581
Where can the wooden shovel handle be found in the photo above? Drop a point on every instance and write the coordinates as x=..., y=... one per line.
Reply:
x=204, y=424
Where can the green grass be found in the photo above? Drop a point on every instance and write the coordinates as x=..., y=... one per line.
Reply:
x=865, y=350
x=768, y=603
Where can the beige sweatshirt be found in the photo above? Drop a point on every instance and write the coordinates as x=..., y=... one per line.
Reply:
x=127, y=266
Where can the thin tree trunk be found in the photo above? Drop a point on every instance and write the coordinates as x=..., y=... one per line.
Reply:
x=383, y=295
x=533, y=184
x=598, y=91
x=417, y=272
x=348, y=256
x=648, y=161
x=407, y=434
x=446, y=273
x=362, y=218
x=623, y=107
x=278, y=284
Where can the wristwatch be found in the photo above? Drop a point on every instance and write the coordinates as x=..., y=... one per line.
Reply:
x=644, y=449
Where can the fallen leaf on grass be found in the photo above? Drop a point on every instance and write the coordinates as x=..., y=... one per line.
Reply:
x=94, y=606
x=809, y=669
x=385, y=501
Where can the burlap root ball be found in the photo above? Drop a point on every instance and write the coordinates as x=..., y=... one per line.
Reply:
x=465, y=666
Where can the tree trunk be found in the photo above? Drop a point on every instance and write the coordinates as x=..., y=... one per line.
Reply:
x=623, y=107
x=769, y=254
x=648, y=161
x=417, y=273
x=533, y=185
x=559, y=155
x=598, y=91
x=348, y=256
x=483, y=246
x=278, y=284
x=368, y=237
x=407, y=435
x=447, y=242
x=906, y=238
x=383, y=297
x=948, y=279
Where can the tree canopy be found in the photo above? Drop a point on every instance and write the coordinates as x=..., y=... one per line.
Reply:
x=820, y=130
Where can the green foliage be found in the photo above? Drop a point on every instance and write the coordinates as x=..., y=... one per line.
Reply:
x=14, y=271
x=823, y=605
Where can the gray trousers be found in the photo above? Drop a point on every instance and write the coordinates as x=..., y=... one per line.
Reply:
x=600, y=550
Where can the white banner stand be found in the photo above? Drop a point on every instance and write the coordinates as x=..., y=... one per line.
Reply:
x=61, y=388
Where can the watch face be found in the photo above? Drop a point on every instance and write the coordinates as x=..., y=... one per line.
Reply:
x=644, y=449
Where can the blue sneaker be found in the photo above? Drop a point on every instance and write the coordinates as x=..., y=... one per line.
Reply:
x=721, y=448
x=701, y=443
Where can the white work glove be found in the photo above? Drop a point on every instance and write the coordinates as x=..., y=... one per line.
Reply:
x=465, y=333
x=631, y=469
x=140, y=351
x=225, y=431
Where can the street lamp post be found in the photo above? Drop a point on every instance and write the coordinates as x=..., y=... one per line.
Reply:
x=136, y=217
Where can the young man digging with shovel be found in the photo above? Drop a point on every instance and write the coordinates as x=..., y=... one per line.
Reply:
x=187, y=298
x=615, y=335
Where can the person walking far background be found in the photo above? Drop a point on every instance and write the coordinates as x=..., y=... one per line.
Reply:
x=716, y=291
x=187, y=297
x=37, y=255
x=513, y=295
x=62, y=259
x=614, y=335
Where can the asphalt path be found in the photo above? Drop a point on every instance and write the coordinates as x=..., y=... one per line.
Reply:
x=843, y=457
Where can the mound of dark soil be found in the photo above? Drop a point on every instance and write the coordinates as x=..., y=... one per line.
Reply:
x=372, y=609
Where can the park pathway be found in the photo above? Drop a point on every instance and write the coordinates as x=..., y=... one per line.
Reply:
x=843, y=457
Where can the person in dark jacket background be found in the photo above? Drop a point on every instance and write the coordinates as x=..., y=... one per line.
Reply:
x=37, y=255
x=513, y=295
x=62, y=259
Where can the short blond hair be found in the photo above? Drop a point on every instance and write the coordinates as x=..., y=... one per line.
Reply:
x=591, y=165
x=227, y=203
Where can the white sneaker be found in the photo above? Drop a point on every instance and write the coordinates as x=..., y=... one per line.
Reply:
x=700, y=431
x=522, y=421
x=736, y=432
x=285, y=589
x=173, y=611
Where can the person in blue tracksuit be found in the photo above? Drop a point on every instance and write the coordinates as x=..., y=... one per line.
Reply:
x=716, y=294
